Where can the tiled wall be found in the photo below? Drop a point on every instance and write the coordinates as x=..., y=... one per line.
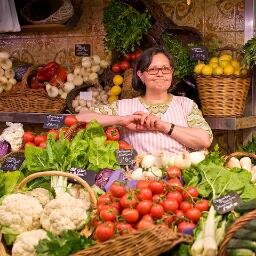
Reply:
x=221, y=19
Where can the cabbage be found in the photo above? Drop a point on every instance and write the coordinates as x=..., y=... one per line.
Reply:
x=5, y=148
x=102, y=177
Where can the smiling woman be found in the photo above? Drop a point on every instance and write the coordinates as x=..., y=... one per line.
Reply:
x=156, y=121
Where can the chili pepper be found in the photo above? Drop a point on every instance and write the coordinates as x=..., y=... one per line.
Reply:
x=47, y=72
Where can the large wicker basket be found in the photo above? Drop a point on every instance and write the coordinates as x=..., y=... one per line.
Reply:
x=223, y=96
x=24, y=99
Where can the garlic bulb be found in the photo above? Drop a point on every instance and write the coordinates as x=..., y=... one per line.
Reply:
x=196, y=157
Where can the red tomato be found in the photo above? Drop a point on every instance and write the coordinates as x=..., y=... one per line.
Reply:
x=137, y=54
x=142, y=184
x=117, y=189
x=112, y=133
x=130, y=215
x=175, y=184
x=116, y=68
x=104, y=231
x=190, y=192
x=184, y=206
x=127, y=56
x=133, y=56
x=104, y=199
x=157, y=198
x=173, y=172
x=144, y=207
x=55, y=133
x=28, y=137
x=142, y=224
x=70, y=120
x=123, y=228
x=179, y=214
x=156, y=187
x=175, y=195
x=170, y=205
x=184, y=227
x=30, y=143
x=144, y=194
x=40, y=139
x=108, y=214
x=125, y=65
x=42, y=145
x=168, y=219
x=124, y=145
x=128, y=200
x=202, y=205
x=157, y=211
x=148, y=218
x=193, y=214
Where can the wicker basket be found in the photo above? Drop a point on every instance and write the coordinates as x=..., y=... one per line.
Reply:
x=239, y=223
x=239, y=154
x=222, y=96
x=24, y=99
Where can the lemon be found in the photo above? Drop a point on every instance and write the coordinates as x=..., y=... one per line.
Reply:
x=214, y=60
x=118, y=80
x=213, y=64
x=115, y=90
x=217, y=71
x=112, y=98
x=235, y=64
x=229, y=70
x=223, y=63
x=227, y=57
x=198, y=68
x=207, y=70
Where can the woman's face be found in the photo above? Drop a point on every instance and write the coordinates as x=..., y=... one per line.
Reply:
x=158, y=75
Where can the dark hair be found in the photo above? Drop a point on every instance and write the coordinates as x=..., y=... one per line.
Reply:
x=144, y=62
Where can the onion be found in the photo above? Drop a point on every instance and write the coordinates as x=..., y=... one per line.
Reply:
x=5, y=148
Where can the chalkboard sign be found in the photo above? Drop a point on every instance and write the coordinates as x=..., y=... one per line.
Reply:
x=226, y=203
x=126, y=156
x=53, y=121
x=12, y=163
x=87, y=175
x=198, y=53
x=82, y=50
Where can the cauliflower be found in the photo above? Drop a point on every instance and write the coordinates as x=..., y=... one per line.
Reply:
x=20, y=212
x=64, y=213
x=43, y=195
x=25, y=244
x=80, y=193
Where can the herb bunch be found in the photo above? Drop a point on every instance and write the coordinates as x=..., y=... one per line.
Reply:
x=249, y=50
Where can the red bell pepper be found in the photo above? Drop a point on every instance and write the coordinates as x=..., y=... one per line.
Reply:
x=59, y=77
x=47, y=72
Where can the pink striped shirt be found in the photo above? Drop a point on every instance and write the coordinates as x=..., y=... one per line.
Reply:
x=155, y=142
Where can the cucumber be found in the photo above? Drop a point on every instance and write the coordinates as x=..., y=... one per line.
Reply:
x=246, y=206
x=246, y=234
x=240, y=252
x=251, y=225
x=241, y=244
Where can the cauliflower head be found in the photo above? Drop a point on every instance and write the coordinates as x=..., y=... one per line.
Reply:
x=64, y=213
x=43, y=195
x=20, y=212
x=25, y=244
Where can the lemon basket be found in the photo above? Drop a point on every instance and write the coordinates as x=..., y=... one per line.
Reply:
x=223, y=96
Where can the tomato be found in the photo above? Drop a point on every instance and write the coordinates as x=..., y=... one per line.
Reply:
x=179, y=214
x=148, y=218
x=168, y=219
x=104, y=199
x=157, y=198
x=112, y=133
x=124, y=145
x=127, y=56
x=202, y=205
x=108, y=214
x=186, y=227
x=184, y=206
x=170, y=205
x=55, y=133
x=104, y=231
x=193, y=214
x=123, y=228
x=173, y=172
x=125, y=65
x=175, y=195
x=128, y=200
x=137, y=54
x=142, y=184
x=142, y=224
x=130, y=215
x=144, y=207
x=133, y=56
x=28, y=137
x=117, y=189
x=190, y=192
x=116, y=68
x=157, y=211
x=40, y=139
x=144, y=194
x=174, y=184
x=42, y=145
x=70, y=120
x=30, y=143
x=156, y=187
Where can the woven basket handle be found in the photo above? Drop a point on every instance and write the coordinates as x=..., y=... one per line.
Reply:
x=239, y=154
x=60, y=173
x=73, y=129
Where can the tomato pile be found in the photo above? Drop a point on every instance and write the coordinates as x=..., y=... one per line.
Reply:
x=167, y=203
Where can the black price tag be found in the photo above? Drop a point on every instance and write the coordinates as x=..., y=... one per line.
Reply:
x=12, y=163
x=53, y=121
x=226, y=203
x=82, y=50
x=86, y=175
x=199, y=53
x=126, y=156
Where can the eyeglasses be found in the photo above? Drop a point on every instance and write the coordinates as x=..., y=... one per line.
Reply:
x=164, y=70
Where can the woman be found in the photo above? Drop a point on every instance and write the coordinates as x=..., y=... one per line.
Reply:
x=157, y=121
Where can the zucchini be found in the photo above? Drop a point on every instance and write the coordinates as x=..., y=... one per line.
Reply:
x=251, y=225
x=241, y=244
x=240, y=252
x=244, y=233
x=246, y=206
